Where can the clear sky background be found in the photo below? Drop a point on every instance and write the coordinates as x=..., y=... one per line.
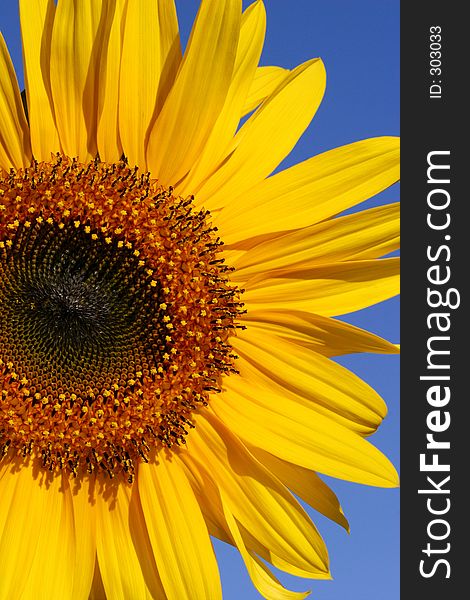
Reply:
x=359, y=44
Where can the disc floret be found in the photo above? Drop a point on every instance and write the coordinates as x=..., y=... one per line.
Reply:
x=115, y=315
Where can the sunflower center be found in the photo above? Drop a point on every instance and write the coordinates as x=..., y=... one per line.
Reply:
x=75, y=305
x=115, y=315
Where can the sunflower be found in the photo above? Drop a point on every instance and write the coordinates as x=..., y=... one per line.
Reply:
x=166, y=305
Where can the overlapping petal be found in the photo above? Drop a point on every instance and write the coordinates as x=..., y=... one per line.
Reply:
x=264, y=83
x=331, y=388
x=328, y=289
x=366, y=235
x=306, y=484
x=314, y=190
x=327, y=336
x=36, y=29
x=302, y=435
x=74, y=74
x=15, y=148
x=269, y=135
x=37, y=534
x=177, y=532
x=198, y=95
x=258, y=501
x=150, y=57
x=250, y=44
x=125, y=556
x=107, y=134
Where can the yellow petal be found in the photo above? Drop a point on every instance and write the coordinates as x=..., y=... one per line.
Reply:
x=170, y=50
x=329, y=290
x=74, y=71
x=264, y=581
x=253, y=28
x=148, y=64
x=306, y=484
x=108, y=138
x=313, y=190
x=37, y=539
x=198, y=95
x=258, y=501
x=361, y=236
x=302, y=436
x=97, y=591
x=329, y=337
x=15, y=149
x=208, y=496
x=269, y=135
x=264, y=83
x=84, y=518
x=36, y=19
x=178, y=534
x=124, y=553
x=326, y=386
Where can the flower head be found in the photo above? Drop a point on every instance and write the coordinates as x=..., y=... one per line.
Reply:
x=166, y=304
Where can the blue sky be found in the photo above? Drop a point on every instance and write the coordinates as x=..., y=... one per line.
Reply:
x=359, y=44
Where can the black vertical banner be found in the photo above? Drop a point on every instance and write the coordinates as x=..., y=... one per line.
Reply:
x=435, y=429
